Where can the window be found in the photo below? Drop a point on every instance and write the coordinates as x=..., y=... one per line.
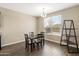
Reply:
x=52, y=24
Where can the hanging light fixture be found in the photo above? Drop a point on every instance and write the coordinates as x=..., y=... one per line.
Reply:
x=43, y=13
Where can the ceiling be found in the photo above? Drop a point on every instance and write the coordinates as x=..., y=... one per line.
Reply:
x=35, y=9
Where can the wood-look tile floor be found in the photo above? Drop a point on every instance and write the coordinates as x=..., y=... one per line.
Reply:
x=49, y=49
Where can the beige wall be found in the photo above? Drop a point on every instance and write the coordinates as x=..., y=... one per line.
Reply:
x=40, y=26
x=14, y=25
x=70, y=13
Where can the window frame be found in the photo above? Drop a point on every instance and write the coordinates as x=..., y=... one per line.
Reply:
x=51, y=32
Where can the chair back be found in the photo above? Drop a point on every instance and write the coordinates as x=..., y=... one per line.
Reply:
x=43, y=33
x=31, y=34
x=40, y=36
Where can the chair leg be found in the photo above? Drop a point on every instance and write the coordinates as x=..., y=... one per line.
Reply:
x=37, y=45
x=25, y=46
x=43, y=41
x=34, y=46
x=31, y=47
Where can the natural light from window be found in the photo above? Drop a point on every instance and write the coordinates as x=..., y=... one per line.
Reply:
x=52, y=24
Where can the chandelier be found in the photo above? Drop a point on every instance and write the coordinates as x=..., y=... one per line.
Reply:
x=43, y=13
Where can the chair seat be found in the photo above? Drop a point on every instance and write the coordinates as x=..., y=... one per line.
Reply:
x=30, y=41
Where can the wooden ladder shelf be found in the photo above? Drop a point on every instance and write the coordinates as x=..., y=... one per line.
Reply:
x=67, y=33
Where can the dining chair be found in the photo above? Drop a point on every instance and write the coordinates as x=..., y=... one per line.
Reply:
x=39, y=40
x=29, y=43
x=31, y=34
x=43, y=37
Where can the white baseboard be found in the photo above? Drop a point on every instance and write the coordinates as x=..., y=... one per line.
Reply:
x=23, y=41
x=59, y=42
x=53, y=41
x=12, y=43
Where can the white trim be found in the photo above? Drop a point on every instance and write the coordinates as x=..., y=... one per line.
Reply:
x=12, y=43
x=54, y=33
x=59, y=42
x=53, y=41
x=23, y=41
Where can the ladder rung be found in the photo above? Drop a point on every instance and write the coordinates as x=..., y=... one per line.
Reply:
x=65, y=41
x=68, y=28
x=68, y=20
x=69, y=35
x=71, y=43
